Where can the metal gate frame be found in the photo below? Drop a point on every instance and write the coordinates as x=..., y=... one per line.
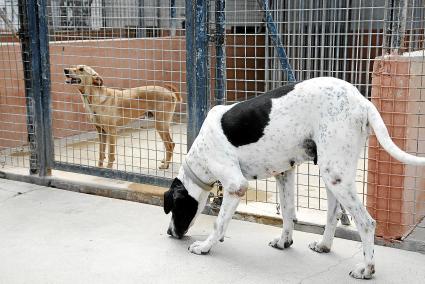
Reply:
x=34, y=40
x=35, y=57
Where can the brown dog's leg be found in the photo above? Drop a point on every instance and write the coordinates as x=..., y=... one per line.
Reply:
x=102, y=145
x=163, y=129
x=112, y=146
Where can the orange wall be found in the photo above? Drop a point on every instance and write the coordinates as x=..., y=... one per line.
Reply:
x=396, y=191
x=122, y=63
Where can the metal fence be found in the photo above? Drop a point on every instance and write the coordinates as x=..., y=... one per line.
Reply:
x=17, y=140
x=268, y=45
x=136, y=48
x=129, y=46
x=320, y=38
x=207, y=53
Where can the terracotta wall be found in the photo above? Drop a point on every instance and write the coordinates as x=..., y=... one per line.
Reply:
x=12, y=100
x=123, y=63
x=245, y=64
x=396, y=192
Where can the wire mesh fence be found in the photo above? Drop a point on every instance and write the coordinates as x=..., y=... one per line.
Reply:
x=119, y=86
x=321, y=38
x=395, y=191
x=342, y=39
x=133, y=115
x=16, y=123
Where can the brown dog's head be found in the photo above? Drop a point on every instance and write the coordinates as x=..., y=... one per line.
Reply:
x=82, y=76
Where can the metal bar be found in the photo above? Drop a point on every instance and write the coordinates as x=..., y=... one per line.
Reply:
x=173, y=13
x=202, y=77
x=395, y=25
x=37, y=86
x=190, y=74
x=115, y=174
x=399, y=28
x=197, y=72
x=387, y=26
x=35, y=62
x=271, y=26
x=26, y=58
x=103, y=13
x=158, y=17
x=34, y=84
x=48, y=147
x=220, y=49
x=141, y=31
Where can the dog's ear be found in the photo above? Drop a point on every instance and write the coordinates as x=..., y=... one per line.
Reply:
x=168, y=201
x=172, y=195
x=97, y=80
x=180, y=197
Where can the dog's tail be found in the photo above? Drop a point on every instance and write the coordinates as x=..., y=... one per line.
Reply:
x=175, y=91
x=381, y=132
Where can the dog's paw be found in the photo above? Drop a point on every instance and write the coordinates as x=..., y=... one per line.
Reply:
x=199, y=247
x=363, y=271
x=278, y=243
x=163, y=166
x=317, y=247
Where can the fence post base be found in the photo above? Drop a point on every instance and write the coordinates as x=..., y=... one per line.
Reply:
x=394, y=195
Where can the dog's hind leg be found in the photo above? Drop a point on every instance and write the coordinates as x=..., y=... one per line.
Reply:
x=342, y=185
x=228, y=208
x=333, y=214
x=163, y=129
x=285, y=184
x=102, y=145
x=112, y=135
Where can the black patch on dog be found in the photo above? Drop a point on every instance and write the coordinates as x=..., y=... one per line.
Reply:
x=245, y=122
x=182, y=205
x=288, y=244
x=310, y=149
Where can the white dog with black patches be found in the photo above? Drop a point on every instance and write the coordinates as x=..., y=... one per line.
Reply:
x=325, y=120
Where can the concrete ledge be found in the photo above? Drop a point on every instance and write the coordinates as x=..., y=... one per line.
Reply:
x=154, y=195
x=144, y=193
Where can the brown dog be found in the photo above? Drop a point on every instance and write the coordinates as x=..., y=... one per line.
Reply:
x=110, y=108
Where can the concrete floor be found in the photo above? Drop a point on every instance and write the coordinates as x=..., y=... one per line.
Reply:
x=54, y=236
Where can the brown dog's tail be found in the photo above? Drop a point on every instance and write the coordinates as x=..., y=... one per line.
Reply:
x=175, y=91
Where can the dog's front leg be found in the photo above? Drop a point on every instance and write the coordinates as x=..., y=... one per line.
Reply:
x=228, y=208
x=285, y=184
